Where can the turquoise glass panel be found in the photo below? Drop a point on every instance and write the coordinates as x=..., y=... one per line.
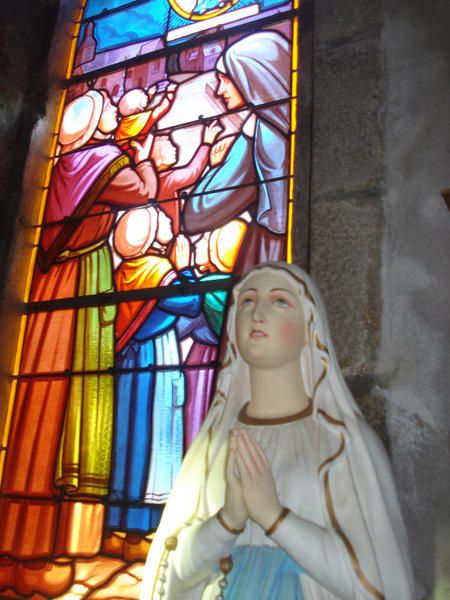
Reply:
x=142, y=22
x=95, y=7
x=128, y=29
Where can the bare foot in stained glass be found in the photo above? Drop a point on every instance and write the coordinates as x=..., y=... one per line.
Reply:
x=43, y=577
x=9, y=594
x=135, y=547
x=113, y=543
x=7, y=573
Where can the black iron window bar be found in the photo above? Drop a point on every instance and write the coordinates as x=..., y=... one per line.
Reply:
x=114, y=370
x=153, y=201
x=197, y=288
x=176, y=48
x=86, y=499
x=184, y=288
x=101, y=299
x=201, y=120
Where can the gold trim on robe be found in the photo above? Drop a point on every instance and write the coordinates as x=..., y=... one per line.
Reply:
x=132, y=125
x=138, y=273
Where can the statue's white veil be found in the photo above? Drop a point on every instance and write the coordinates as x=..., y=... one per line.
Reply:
x=361, y=504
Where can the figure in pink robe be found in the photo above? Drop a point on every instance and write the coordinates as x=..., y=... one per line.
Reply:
x=172, y=180
x=53, y=478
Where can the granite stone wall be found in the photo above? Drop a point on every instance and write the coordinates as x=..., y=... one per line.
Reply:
x=380, y=241
x=346, y=211
x=415, y=277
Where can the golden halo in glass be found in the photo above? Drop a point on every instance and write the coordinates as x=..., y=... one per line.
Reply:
x=181, y=8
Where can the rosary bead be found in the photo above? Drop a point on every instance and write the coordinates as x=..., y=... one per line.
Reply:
x=226, y=564
x=171, y=543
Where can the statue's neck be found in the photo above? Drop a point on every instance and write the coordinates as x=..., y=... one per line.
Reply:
x=277, y=392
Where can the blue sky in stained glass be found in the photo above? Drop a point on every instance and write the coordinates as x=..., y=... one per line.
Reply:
x=176, y=20
x=267, y=4
x=145, y=21
x=95, y=7
x=141, y=22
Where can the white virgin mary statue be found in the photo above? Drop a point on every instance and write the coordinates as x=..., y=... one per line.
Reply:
x=286, y=492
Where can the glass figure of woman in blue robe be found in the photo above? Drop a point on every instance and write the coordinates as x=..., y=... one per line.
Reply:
x=148, y=432
x=204, y=330
x=253, y=72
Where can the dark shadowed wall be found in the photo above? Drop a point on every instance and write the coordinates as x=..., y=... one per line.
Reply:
x=26, y=30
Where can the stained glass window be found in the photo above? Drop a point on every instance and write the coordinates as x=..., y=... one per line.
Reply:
x=171, y=174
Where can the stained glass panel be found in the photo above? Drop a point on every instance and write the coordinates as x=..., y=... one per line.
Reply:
x=208, y=188
x=172, y=174
x=109, y=36
x=90, y=469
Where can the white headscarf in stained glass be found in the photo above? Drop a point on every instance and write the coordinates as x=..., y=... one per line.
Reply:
x=80, y=120
x=135, y=231
x=260, y=67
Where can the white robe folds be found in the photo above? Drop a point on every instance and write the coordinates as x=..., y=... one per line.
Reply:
x=345, y=528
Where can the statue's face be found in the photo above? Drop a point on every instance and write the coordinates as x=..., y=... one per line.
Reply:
x=270, y=328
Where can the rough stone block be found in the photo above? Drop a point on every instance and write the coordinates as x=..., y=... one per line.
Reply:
x=372, y=403
x=347, y=143
x=345, y=239
x=421, y=459
x=342, y=20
